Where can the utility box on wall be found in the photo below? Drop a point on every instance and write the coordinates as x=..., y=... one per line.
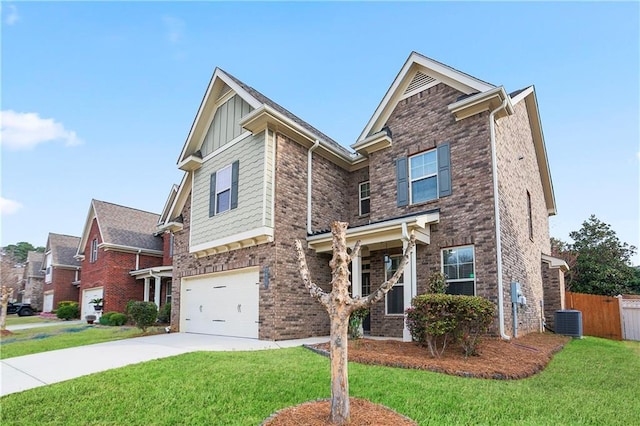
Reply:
x=569, y=323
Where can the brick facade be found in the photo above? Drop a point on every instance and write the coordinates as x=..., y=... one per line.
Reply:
x=62, y=279
x=111, y=271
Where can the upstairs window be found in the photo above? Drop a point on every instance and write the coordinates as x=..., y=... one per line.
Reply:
x=459, y=269
x=94, y=251
x=223, y=194
x=365, y=193
x=424, y=177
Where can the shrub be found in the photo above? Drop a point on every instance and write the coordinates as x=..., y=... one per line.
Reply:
x=127, y=310
x=355, y=320
x=117, y=319
x=164, y=316
x=104, y=319
x=67, y=310
x=474, y=315
x=437, y=283
x=144, y=314
x=437, y=319
x=432, y=322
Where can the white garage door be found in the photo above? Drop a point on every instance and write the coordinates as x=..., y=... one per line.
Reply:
x=224, y=304
x=87, y=296
x=48, y=302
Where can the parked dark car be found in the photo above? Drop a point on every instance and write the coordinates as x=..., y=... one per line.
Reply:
x=22, y=309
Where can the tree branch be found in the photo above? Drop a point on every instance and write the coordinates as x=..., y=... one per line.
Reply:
x=355, y=252
x=315, y=291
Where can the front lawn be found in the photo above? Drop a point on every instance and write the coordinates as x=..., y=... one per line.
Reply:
x=18, y=320
x=591, y=381
x=52, y=337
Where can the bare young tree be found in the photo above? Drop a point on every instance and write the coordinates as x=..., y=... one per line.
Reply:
x=340, y=305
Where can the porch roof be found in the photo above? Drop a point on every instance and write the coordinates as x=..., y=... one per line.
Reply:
x=381, y=233
x=156, y=271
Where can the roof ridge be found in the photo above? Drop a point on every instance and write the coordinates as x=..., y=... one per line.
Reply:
x=126, y=207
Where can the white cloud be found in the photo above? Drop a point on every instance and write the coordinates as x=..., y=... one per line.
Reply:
x=9, y=206
x=12, y=15
x=175, y=28
x=27, y=130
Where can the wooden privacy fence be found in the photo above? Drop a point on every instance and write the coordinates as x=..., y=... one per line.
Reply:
x=600, y=314
x=631, y=318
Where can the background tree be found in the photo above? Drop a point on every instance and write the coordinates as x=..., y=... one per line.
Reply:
x=18, y=252
x=600, y=263
x=340, y=305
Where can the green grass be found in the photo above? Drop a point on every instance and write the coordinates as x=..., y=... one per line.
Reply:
x=592, y=381
x=50, y=338
x=18, y=320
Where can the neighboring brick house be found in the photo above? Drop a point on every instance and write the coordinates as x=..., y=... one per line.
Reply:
x=61, y=271
x=122, y=258
x=431, y=159
x=33, y=280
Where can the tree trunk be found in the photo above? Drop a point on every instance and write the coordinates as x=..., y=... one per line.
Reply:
x=5, y=294
x=339, y=366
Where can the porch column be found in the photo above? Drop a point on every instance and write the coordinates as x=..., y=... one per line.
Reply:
x=156, y=294
x=356, y=276
x=146, y=289
x=410, y=280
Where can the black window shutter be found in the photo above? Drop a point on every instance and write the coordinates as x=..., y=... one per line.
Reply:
x=234, y=184
x=212, y=195
x=402, y=176
x=444, y=169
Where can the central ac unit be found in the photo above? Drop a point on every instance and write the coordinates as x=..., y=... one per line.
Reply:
x=569, y=323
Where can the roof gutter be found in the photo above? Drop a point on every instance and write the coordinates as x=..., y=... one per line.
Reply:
x=309, y=184
x=496, y=207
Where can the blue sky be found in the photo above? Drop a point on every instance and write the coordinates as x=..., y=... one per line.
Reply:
x=98, y=98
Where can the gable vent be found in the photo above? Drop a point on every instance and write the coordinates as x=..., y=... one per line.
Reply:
x=419, y=80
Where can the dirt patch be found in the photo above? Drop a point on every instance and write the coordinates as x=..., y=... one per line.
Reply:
x=498, y=359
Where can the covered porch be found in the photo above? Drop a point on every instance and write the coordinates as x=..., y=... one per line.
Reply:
x=159, y=275
x=384, y=237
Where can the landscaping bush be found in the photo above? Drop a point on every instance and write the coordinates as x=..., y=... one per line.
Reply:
x=67, y=310
x=144, y=314
x=437, y=283
x=355, y=320
x=117, y=319
x=164, y=316
x=435, y=320
x=104, y=319
x=127, y=310
x=474, y=315
x=432, y=321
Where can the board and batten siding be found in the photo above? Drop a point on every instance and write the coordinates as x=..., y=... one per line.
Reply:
x=224, y=127
x=250, y=213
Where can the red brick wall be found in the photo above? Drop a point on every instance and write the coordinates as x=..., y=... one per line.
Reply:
x=167, y=257
x=61, y=283
x=111, y=271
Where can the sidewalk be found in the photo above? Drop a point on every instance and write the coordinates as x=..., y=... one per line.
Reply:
x=42, y=324
x=31, y=371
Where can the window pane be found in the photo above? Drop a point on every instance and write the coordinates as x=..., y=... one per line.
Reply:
x=365, y=190
x=461, y=287
x=364, y=206
x=395, y=300
x=424, y=165
x=465, y=270
x=223, y=179
x=451, y=271
x=223, y=201
x=465, y=255
x=424, y=190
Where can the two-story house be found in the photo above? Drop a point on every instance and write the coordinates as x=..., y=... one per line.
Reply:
x=61, y=271
x=122, y=258
x=33, y=280
x=458, y=161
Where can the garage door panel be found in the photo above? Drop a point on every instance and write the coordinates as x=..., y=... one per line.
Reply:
x=223, y=304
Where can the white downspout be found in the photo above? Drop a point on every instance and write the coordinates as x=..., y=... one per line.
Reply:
x=138, y=260
x=496, y=207
x=309, y=180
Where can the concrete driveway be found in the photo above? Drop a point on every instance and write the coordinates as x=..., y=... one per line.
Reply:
x=31, y=371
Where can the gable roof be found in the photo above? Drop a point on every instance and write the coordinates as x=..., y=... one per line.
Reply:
x=63, y=248
x=122, y=228
x=220, y=84
x=34, y=264
x=418, y=73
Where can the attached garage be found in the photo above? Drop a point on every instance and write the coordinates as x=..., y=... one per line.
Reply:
x=87, y=296
x=224, y=304
x=47, y=305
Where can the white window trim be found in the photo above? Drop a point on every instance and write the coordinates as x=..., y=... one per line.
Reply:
x=411, y=178
x=94, y=251
x=473, y=250
x=397, y=284
x=229, y=167
x=360, y=198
